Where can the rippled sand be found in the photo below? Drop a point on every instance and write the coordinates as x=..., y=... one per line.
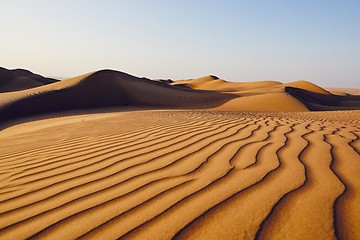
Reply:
x=182, y=174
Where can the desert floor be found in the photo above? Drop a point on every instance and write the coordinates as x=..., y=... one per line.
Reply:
x=160, y=174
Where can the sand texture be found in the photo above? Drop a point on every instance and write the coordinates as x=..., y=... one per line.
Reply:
x=190, y=159
x=183, y=174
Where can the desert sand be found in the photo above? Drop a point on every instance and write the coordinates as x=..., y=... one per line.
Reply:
x=108, y=155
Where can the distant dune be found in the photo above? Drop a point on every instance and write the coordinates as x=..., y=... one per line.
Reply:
x=20, y=79
x=107, y=155
x=108, y=88
x=105, y=88
x=344, y=91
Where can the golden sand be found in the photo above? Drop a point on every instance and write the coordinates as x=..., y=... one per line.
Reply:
x=177, y=172
x=183, y=174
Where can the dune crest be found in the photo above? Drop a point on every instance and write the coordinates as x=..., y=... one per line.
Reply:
x=20, y=79
x=308, y=86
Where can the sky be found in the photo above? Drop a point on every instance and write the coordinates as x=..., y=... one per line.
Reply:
x=236, y=40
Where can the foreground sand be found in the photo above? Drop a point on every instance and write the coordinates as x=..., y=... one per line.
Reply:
x=183, y=174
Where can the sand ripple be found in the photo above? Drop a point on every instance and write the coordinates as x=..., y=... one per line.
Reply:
x=183, y=174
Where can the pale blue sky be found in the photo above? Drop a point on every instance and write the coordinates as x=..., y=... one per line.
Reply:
x=317, y=40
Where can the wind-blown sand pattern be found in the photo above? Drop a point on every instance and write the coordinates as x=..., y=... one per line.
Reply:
x=182, y=174
x=170, y=161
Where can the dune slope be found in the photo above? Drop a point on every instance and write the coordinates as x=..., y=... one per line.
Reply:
x=182, y=174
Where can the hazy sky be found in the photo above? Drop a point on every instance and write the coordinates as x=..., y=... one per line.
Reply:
x=286, y=40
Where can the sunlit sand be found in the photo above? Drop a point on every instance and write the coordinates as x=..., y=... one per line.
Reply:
x=108, y=155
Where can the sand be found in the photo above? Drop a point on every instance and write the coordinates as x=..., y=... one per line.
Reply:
x=174, y=162
x=20, y=79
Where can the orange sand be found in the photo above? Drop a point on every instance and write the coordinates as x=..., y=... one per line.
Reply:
x=184, y=168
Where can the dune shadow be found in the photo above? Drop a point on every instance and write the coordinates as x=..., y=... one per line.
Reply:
x=324, y=102
x=108, y=88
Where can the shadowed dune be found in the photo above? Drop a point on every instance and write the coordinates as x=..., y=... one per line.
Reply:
x=182, y=174
x=20, y=79
x=324, y=102
x=105, y=88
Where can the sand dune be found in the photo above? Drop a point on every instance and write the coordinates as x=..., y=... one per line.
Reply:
x=108, y=88
x=104, y=89
x=107, y=155
x=324, y=102
x=20, y=79
x=182, y=174
x=344, y=91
